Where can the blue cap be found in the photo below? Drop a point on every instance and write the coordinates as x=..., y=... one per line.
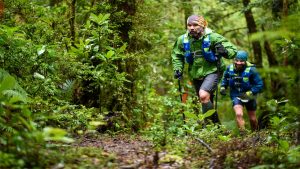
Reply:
x=242, y=55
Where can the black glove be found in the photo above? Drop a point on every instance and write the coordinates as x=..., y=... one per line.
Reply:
x=220, y=50
x=223, y=91
x=177, y=74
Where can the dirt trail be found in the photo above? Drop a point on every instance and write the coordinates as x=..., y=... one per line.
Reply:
x=131, y=153
x=136, y=153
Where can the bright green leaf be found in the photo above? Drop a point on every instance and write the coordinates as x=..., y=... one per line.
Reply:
x=110, y=54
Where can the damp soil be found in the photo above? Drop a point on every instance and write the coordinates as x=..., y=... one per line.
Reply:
x=134, y=152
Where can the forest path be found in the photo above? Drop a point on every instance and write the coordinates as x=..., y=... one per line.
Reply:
x=134, y=152
x=130, y=152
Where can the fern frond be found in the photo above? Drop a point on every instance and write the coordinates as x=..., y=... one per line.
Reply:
x=16, y=94
x=7, y=128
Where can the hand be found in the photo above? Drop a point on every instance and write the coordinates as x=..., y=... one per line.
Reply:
x=247, y=95
x=223, y=91
x=220, y=50
x=178, y=74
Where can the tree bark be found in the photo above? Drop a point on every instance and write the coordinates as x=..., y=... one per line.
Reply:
x=284, y=15
x=72, y=22
x=285, y=8
x=1, y=8
x=188, y=10
x=270, y=54
x=129, y=7
x=52, y=3
x=252, y=29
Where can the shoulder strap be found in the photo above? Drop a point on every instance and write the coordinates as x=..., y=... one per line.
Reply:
x=231, y=68
x=206, y=43
x=247, y=70
x=186, y=43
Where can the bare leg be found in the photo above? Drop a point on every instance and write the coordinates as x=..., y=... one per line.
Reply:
x=238, y=109
x=204, y=96
x=208, y=105
x=253, y=120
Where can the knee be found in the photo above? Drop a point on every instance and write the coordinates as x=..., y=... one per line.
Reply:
x=238, y=111
x=204, y=96
x=239, y=114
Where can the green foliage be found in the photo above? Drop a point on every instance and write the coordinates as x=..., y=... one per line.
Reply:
x=86, y=157
x=118, y=61
x=284, y=123
x=21, y=143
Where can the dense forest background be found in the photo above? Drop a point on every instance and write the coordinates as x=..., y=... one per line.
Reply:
x=77, y=69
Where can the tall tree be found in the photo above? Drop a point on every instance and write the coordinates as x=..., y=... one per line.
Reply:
x=1, y=8
x=187, y=8
x=252, y=29
x=72, y=21
x=53, y=2
x=270, y=54
x=129, y=8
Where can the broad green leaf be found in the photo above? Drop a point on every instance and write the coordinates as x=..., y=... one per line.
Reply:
x=94, y=17
x=191, y=115
x=122, y=49
x=109, y=54
x=56, y=134
x=209, y=113
x=275, y=121
x=26, y=123
x=8, y=82
x=294, y=155
x=100, y=19
x=97, y=123
x=17, y=98
x=284, y=145
x=42, y=50
x=224, y=138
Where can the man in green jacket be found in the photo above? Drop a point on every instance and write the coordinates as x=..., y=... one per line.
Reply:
x=203, y=50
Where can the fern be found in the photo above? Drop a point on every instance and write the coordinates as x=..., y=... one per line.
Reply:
x=8, y=129
x=15, y=96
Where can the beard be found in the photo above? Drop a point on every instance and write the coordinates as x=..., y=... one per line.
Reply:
x=240, y=67
x=196, y=33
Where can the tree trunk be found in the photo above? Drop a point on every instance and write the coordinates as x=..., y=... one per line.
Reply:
x=72, y=22
x=129, y=7
x=285, y=8
x=52, y=3
x=252, y=29
x=284, y=15
x=270, y=54
x=1, y=8
x=188, y=10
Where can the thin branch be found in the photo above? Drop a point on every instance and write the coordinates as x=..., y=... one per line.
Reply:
x=232, y=30
x=204, y=144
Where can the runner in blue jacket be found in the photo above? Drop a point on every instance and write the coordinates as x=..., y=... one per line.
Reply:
x=244, y=82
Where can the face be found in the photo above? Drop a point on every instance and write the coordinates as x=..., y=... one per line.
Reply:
x=195, y=30
x=239, y=64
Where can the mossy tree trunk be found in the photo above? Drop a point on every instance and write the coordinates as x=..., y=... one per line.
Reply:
x=253, y=29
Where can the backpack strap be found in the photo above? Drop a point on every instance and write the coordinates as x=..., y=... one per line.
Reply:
x=246, y=74
x=206, y=43
x=186, y=45
x=208, y=55
x=187, y=49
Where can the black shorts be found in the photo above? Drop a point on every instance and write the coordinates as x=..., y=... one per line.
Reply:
x=209, y=83
x=250, y=105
